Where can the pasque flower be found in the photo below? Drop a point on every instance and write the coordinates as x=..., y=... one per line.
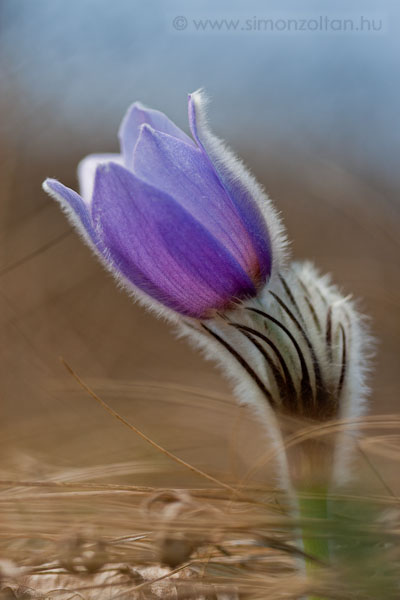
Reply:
x=184, y=226
x=179, y=221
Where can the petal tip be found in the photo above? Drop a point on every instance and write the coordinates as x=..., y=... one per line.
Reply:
x=101, y=171
x=199, y=93
x=52, y=187
x=135, y=107
x=45, y=185
x=147, y=128
x=197, y=104
x=139, y=106
x=198, y=99
x=146, y=131
x=104, y=171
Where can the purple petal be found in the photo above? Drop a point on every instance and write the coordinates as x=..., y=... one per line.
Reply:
x=185, y=173
x=161, y=248
x=74, y=206
x=235, y=180
x=87, y=170
x=136, y=116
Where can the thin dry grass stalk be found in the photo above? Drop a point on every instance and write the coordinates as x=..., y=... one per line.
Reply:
x=62, y=537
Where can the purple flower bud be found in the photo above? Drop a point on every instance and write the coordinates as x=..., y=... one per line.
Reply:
x=176, y=219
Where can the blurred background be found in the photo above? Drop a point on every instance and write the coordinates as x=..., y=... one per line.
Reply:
x=313, y=112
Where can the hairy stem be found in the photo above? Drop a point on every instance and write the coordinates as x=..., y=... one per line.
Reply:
x=314, y=532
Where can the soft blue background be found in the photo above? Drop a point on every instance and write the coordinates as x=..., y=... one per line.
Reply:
x=82, y=62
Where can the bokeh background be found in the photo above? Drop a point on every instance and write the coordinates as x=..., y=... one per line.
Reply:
x=315, y=116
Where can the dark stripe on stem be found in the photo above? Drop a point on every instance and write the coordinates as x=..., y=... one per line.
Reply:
x=317, y=371
x=344, y=363
x=288, y=391
x=279, y=379
x=306, y=390
x=250, y=371
x=329, y=332
x=291, y=297
x=313, y=314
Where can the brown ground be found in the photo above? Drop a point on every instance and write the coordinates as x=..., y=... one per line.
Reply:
x=57, y=301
